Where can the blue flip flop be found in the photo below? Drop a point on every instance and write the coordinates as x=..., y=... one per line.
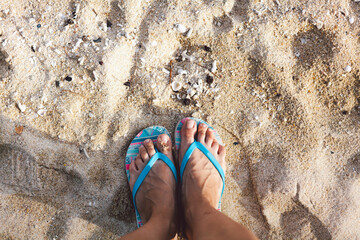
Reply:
x=133, y=150
x=202, y=148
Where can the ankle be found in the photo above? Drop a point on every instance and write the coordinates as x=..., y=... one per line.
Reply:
x=196, y=212
x=164, y=225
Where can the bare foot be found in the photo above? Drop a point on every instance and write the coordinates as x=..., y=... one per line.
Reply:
x=156, y=195
x=201, y=183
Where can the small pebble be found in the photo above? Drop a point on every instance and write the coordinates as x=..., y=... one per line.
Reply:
x=19, y=129
x=209, y=79
x=108, y=24
x=206, y=48
x=57, y=83
x=69, y=21
x=68, y=78
x=187, y=101
x=38, y=26
x=196, y=114
x=97, y=40
x=347, y=68
x=127, y=84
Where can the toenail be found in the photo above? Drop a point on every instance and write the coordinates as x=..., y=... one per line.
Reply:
x=203, y=125
x=189, y=124
x=147, y=141
x=163, y=139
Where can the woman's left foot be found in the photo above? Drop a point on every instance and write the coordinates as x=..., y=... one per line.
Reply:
x=155, y=198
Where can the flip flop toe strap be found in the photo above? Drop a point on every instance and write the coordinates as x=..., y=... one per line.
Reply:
x=207, y=153
x=146, y=170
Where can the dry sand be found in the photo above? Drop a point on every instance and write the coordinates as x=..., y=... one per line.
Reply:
x=285, y=99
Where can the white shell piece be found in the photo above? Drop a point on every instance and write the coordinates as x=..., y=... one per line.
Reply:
x=182, y=72
x=348, y=68
x=213, y=67
x=351, y=20
x=176, y=86
x=188, y=34
x=41, y=112
x=191, y=92
x=21, y=107
x=181, y=28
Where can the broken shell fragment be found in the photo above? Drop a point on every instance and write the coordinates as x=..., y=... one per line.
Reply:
x=188, y=34
x=21, y=107
x=182, y=72
x=191, y=92
x=213, y=67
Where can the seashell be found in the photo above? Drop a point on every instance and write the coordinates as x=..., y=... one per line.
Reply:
x=191, y=92
x=21, y=107
x=176, y=86
x=180, y=28
x=41, y=112
x=182, y=72
x=184, y=55
x=196, y=114
x=348, y=68
x=351, y=20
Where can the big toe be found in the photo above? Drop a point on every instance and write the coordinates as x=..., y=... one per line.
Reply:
x=187, y=132
x=163, y=144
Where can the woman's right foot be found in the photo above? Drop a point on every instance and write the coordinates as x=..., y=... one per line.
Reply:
x=201, y=183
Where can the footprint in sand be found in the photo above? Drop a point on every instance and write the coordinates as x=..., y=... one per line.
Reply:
x=20, y=173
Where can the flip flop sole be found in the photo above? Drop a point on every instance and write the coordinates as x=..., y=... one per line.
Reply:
x=133, y=150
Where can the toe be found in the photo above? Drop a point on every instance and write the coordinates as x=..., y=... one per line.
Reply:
x=188, y=131
x=134, y=174
x=139, y=163
x=215, y=146
x=221, y=151
x=163, y=144
x=202, y=132
x=221, y=159
x=144, y=154
x=149, y=145
x=209, y=137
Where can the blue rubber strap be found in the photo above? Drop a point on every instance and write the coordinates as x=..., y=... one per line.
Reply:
x=208, y=154
x=147, y=168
